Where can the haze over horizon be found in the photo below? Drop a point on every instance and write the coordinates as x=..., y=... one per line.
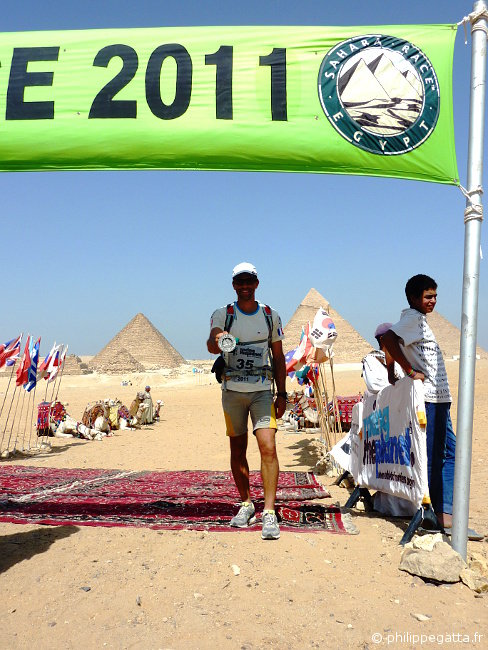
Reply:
x=102, y=246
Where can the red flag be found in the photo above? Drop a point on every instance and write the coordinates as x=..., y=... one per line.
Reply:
x=25, y=362
x=44, y=364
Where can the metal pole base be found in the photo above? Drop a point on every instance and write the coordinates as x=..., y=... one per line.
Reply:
x=360, y=493
x=340, y=478
x=425, y=515
x=354, y=498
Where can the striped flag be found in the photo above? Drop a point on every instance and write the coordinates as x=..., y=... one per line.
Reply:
x=32, y=371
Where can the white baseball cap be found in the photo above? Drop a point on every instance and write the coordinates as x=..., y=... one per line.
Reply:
x=244, y=267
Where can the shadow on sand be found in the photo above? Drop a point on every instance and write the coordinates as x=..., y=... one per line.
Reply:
x=42, y=453
x=303, y=454
x=24, y=545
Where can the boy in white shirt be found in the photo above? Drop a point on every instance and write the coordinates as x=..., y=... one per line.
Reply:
x=412, y=344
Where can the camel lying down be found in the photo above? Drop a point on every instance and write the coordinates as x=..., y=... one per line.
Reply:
x=54, y=421
x=98, y=420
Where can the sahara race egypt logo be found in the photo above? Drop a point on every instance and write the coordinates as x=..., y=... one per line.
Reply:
x=380, y=93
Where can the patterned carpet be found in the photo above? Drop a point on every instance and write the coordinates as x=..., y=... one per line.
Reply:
x=198, y=500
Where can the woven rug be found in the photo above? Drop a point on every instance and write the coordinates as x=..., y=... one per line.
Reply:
x=198, y=500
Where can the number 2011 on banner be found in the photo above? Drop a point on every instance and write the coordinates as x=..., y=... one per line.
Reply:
x=105, y=105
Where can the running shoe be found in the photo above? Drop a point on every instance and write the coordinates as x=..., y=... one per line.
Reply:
x=271, y=529
x=245, y=517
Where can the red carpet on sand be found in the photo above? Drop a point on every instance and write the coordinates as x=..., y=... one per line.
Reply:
x=195, y=500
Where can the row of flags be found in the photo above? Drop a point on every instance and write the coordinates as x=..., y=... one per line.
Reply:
x=29, y=371
x=315, y=347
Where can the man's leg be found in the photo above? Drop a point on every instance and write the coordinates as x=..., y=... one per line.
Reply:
x=270, y=468
x=448, y=474
x=437, y=415
x=236, y=412
x=239, y=465
x=264, y=426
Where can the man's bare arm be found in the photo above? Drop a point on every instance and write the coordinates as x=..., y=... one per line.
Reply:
x=279, y=371
x=394, y=353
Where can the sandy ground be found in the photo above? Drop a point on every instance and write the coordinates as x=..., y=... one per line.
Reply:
x=153, y=589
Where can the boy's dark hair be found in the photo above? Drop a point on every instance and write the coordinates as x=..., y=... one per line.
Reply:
x=417, y=285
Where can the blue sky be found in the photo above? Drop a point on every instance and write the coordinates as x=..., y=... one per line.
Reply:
x=83, y=252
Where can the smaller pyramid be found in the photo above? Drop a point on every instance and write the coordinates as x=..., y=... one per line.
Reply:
x=116, y=362
x=73, y=365
x=350, y=346
x=448, y=336
x=141, y=342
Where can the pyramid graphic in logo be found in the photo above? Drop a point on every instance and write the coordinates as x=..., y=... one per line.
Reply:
x=380, y=93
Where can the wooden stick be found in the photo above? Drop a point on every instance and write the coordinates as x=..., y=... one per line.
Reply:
x=339, y=423
x=326, y=411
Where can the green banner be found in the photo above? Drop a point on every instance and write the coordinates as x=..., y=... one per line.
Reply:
x=344, y=100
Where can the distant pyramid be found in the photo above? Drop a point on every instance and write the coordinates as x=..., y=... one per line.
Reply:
x=350, y=346
x=73, y=365
x=115, y=362
x=141, y=342
x=449, y=336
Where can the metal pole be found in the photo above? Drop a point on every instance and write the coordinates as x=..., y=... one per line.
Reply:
x=472, y=240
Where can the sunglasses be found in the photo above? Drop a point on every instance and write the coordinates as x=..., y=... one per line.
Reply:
x=242, y=281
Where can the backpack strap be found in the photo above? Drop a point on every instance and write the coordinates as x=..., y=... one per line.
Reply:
x=268, y=315
x=269, y=322
x=229, y=317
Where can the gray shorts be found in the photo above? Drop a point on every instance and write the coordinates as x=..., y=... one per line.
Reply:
x=238, y=406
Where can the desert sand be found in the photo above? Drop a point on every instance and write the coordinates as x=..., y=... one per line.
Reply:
x=95, y=587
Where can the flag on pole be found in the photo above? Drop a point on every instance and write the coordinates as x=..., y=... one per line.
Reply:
x=288, y=358
x=44, y=364
x=58, y=361
x=32, y=371
x=54, y=365
x=9, y=352
x=324, y=332
x=302, y=351
x=24, y=365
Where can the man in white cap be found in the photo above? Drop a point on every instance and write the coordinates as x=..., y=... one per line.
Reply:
x=247, y=384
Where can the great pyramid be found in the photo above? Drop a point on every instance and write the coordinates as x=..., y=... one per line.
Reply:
x=140, y=342
x=449, y=336
x=350, y=346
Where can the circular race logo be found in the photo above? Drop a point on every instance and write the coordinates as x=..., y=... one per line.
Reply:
x=380, y=93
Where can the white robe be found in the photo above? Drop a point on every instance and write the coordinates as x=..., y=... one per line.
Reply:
x=147, y=416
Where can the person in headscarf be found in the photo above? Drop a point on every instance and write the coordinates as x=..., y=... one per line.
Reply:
x=375, y=371
x=375, y=375
x=147, y=416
